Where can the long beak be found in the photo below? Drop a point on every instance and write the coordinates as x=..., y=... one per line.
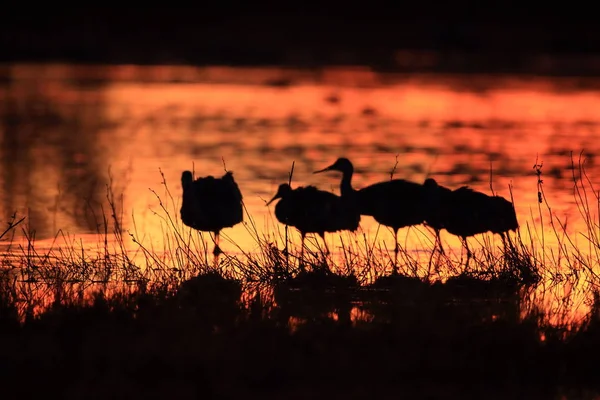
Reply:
x=323, y=170
x=272, y=200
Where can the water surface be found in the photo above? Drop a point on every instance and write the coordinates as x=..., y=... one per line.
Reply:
x=69, y=133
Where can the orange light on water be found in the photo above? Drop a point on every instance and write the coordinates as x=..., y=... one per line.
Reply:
x=451, y=128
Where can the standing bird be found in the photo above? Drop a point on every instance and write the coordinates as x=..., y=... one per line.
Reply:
x=311, y=210
x=465, y=212
x=210, y=204
x=395, y=203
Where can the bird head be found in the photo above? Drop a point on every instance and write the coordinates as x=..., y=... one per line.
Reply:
x=282, y=191
x=342, y=165
x=432, y=188
x=430, y=183
x=228, y=176
x=511, y=217
x=186, y=178
x=435, y=197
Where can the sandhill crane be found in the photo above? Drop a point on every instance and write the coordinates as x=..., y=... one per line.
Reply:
x=311, y=210
x=465, y=212
x=396, y=203
x=210, y=204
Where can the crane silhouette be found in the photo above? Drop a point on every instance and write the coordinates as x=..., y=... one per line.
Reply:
x=210, y=204
x=465, y=212
x=311, y=210
x=396, y=203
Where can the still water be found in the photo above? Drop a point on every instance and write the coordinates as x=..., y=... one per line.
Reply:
x=70, y=132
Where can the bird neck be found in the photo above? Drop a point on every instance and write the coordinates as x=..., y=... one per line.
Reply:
x=346, y=184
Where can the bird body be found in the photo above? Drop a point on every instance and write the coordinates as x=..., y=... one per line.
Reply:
x=396, y=203
x=210, y=204
x=473, y=212
x=311, y=210
x=465, y=212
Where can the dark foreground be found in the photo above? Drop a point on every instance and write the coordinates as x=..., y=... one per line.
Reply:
x=463, y=339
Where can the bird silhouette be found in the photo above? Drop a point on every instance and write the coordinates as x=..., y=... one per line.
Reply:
x=311, y=210
x=396, y=203
x=210, y=204
x=465, y=212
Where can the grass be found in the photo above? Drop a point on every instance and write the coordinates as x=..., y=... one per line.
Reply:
x=92, y=324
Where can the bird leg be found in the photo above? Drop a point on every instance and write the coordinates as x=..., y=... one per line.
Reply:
x=511, y=245
x=325, y=243
x=506, y=242
x=438, y=242
x=301, y=263
x=469, y=254
x=505, y=255
x=326, y=254
x=396, y=248
x=509, y=248
x=217, y=250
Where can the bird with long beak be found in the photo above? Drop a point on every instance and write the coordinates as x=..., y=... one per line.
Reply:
x=311, y=210
x=465, y=212
x=395, y=203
